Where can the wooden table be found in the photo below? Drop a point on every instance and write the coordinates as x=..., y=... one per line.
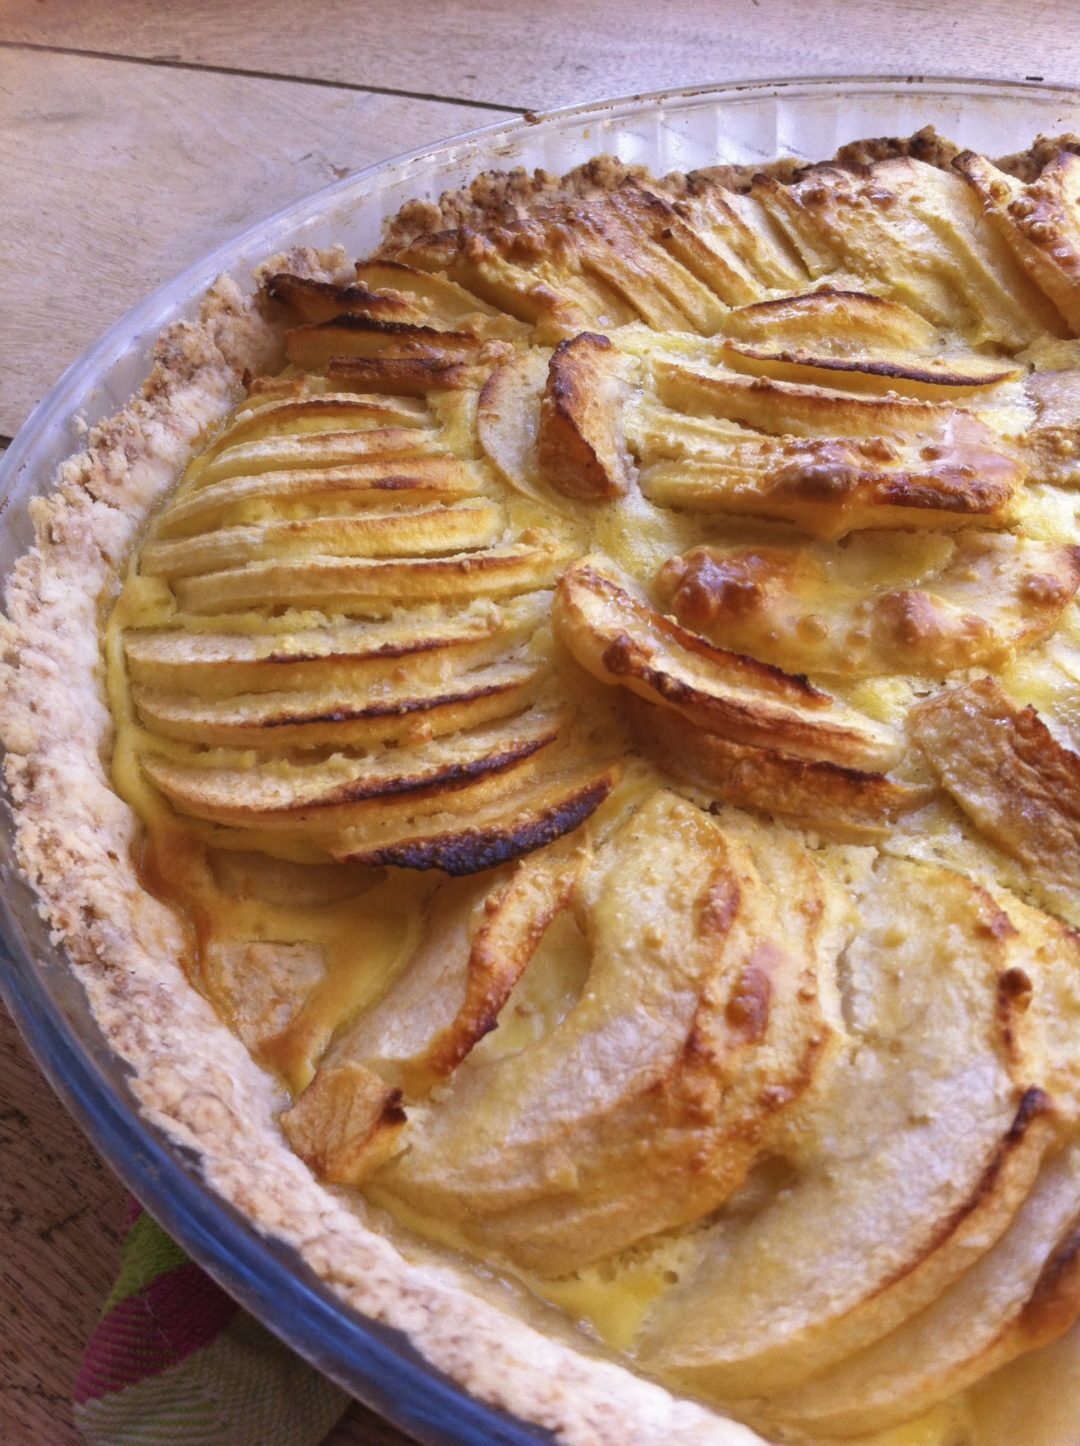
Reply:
x=133, y=138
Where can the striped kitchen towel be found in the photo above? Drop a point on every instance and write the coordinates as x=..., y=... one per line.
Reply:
x=174, y=1359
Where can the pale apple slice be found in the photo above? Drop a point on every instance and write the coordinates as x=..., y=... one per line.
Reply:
x=1053, y=441
x=698, y=1027
x=1038, y=221
x=826, y=797
x=579, y=443
x=317, y=301
x=360, y=584
x=240, y=499
x=1013, y=779
x=478, y=940
x=555, y=299
x=323, y=412
x=613, y=632
x=910, y=1163
x=847, y=322
x=939, y=378
x=345, y=1124
x=325, y=449
x=365, y=655
x=753, y=257
x=1023, y=1294
x=338, y=713
x=396, y=532
x=796, y=409
x=985, y=597
x=508, y=420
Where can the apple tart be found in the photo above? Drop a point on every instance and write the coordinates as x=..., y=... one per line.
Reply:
x=601, y=707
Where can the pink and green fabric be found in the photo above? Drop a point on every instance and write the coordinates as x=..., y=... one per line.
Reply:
x=174, y=1359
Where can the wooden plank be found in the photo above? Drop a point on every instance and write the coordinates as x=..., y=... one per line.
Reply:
x=61, y=1216
x=540, y=56
x=117, y=176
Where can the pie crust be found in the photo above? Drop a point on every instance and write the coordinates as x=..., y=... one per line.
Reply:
x=708, y=655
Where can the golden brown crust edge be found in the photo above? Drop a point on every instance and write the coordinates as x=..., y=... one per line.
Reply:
x=194, y=1080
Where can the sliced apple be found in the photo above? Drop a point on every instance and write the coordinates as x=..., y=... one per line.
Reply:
x=614, y=633
x=579, y=443
x=336, y=714
x=323, y=449
x=359, y=584
x=1039, y=222
x=984, y=597
x=847, y=322
x=931, y=378
x=911, y=1161
x=318, y=301
x=823, y=796
x=508, y=419
x=1013, y=779
x=699, y=1026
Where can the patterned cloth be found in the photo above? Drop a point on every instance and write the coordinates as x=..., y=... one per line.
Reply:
x=174, y=1359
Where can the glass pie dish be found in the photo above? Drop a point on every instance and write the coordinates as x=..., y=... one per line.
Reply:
x=737, y=124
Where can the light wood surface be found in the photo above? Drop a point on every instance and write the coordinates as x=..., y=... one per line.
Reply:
x=134, y=137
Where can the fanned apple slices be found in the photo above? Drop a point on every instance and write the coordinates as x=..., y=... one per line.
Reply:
x=912, y=1161
x=703, y=1021
x=557, y=698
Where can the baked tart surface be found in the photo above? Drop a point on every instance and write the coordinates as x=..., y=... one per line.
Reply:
x=604, y=718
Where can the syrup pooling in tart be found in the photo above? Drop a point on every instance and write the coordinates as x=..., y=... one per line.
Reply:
x=609, y=711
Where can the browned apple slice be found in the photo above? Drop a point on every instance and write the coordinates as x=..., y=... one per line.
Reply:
x=614, y=633
x=338, y=714
x=357, y=336
x=345, y=1124
x=980, y=599
x=829, y=487
x=357, y=584
x=698, y=1027
x=910, y=1162
x=480, y=835
x=1023, y=1294
x=317, y=301
x=405, y=376
x=580, y=446
x=1013, y=779
x=1039, y=222
x=840, y=801
x=846, y=321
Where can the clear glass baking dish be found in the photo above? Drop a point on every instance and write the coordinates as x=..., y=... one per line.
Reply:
x=678, y=130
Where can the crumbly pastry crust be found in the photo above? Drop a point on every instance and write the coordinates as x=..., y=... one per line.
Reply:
x=78, y=842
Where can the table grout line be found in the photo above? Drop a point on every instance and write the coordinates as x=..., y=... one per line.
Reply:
x=164, y=63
